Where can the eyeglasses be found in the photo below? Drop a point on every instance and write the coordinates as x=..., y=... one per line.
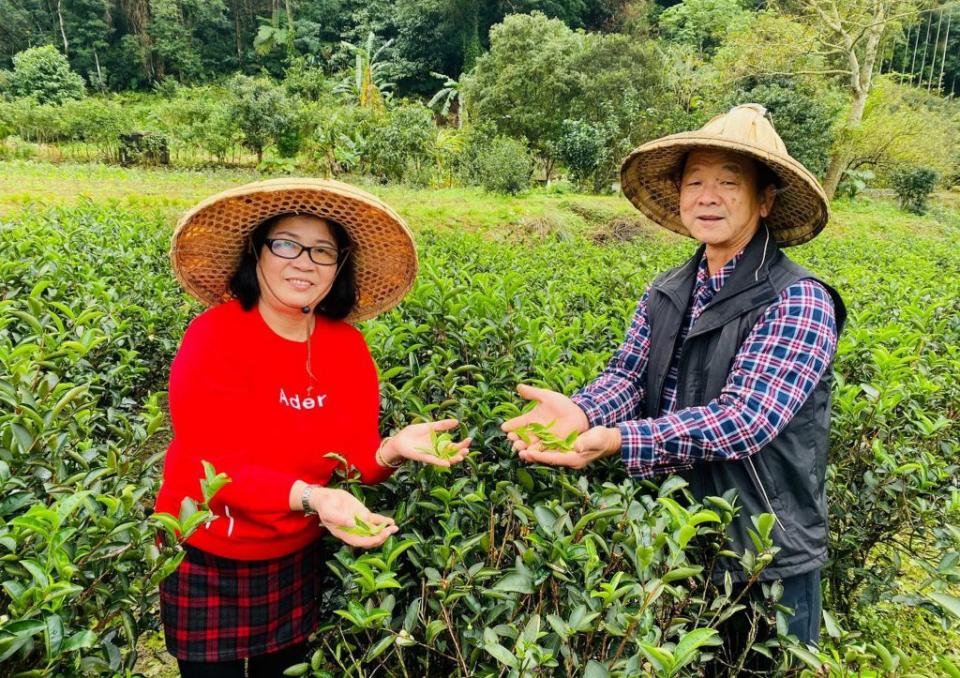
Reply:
x=291, y=249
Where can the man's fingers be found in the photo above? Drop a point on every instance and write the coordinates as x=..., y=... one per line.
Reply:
x=568, y=459
x=518, y=421
x=528, y=392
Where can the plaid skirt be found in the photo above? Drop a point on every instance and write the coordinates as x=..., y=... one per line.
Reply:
x=217, y=609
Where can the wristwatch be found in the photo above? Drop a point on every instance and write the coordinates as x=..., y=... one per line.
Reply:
x=305, y=500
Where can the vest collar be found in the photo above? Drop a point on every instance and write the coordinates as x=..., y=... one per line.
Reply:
x=752, y=269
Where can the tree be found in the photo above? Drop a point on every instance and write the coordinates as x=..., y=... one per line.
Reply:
x=44, y=74
x=368, y=84
x=539, y=73
x=847, y=38
x=262, y=110
x=902, y=125
x=855, y=30
x=402, y=143
x=449, y=98
x=702, y=24
x=525, y=83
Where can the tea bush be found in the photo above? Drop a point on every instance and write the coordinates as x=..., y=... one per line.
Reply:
x=500, y=568
x=82, y=430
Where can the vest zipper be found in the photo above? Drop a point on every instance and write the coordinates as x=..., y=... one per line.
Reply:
x=763, y=491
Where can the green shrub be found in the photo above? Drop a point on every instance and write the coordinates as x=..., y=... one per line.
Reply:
x=504, y=166
x=854, y=182
x=401, y=143
x=582, y=148
x=264, y=114
x=43, y=74
x=85, y=340
x=914, y=186
x=475, y=138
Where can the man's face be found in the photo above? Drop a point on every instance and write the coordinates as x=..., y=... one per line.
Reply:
x=719, y=201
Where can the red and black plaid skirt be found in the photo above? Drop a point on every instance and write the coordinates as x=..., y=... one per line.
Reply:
x=217, y=609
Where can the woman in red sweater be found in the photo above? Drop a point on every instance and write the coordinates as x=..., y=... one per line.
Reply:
x=271, y=385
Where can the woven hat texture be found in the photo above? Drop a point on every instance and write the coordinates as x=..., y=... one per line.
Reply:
x=800, y=210
x=209, y=240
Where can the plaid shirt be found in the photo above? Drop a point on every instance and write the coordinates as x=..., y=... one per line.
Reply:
x=776, y=369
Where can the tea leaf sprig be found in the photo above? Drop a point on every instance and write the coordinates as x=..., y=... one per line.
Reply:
x=362, y=528
x=441, y=446
x=548, y=439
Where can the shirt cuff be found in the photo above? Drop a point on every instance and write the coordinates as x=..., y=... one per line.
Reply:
x=636, y=447
x=593, y=411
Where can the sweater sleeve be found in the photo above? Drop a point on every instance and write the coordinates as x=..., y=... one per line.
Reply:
x=365, y=440
x=211, y=419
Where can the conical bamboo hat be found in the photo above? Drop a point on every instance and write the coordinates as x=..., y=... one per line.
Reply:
x=648, y=175
x=209, y=240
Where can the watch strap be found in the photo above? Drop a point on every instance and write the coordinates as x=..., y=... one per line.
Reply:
x=305, y=500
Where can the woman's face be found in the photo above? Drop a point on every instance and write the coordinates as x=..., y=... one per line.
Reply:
x=287, y=285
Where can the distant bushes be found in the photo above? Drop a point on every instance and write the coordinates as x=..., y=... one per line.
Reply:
x=589, y=100
x=913, y=186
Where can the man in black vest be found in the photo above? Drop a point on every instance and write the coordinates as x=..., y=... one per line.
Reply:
x=725, y=374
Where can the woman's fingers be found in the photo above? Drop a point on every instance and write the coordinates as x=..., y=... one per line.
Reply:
x=426, y=458
x=444, y=424
x=363, y=542
x=569, y=459
x=377, y=519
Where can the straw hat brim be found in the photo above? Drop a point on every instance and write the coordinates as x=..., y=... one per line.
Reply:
x=800, y=210
x=209, y=240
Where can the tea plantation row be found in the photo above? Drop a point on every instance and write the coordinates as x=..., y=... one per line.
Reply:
x=499, y=568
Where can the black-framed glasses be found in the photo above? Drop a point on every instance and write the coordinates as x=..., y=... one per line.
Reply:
x=291, y=249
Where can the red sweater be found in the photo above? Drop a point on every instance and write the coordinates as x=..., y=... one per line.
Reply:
x=239, y=399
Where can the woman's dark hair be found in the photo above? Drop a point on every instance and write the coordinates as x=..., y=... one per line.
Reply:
x=342, y=296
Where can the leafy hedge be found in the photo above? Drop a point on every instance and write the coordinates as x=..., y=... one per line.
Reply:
x=499, y=567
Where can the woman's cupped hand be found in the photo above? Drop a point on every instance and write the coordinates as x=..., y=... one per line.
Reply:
x=349, y=520
x=427, y=443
